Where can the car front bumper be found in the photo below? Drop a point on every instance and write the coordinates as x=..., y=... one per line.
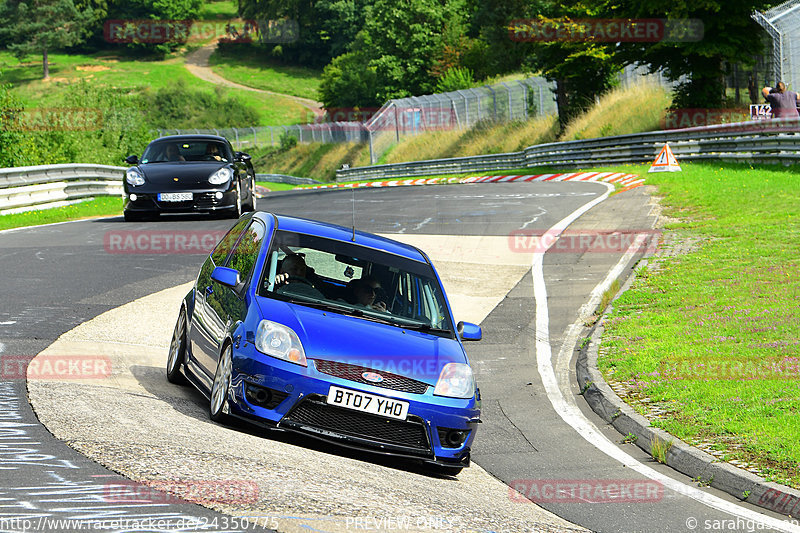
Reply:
x=297, y=402
x=202, y=201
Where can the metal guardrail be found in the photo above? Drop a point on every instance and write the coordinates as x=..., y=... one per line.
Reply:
x=754, y=141
x=47, y=185
x=283, y=178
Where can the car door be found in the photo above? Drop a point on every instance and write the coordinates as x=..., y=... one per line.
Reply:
x=225, y=305
x=204, y=321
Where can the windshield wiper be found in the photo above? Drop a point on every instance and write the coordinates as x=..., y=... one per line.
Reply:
x=427, y=328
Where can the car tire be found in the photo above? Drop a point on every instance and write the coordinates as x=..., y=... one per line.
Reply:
x=237, y=211
x=221, y=385
x=177, y=351
x=252, y=205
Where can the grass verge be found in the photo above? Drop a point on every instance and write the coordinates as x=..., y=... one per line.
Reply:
x=705, y=343
x=248, y=66
x=97, y=207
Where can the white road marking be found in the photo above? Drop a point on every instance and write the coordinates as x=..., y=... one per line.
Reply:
x=8, y=323
x=568, y=410
x=2, y=347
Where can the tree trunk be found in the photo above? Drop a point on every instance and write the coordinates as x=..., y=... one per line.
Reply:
x=45, y=65
x=562, y=103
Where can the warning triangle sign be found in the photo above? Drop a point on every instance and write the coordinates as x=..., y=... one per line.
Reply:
x=665, y=162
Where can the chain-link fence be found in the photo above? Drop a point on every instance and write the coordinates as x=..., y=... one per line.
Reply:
x=501, y=102
x=782, y=23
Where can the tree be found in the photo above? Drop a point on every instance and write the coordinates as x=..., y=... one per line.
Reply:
x=394, y=52
x=729, y=35
x=10, y=109
x=157, y=10
x=326, y=27
x=38, y=26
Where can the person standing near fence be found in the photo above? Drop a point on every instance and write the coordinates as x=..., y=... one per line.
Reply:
x=783, y=102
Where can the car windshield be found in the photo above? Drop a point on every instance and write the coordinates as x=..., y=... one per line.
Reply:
x=186, y=150
x=355, y=280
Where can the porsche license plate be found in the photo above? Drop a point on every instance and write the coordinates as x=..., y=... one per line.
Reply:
x=174, y=196
x=368, y=403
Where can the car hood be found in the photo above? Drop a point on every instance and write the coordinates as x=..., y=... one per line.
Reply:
x=345, y=339
x=188, y=173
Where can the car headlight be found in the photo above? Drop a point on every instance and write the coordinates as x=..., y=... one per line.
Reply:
x=455, y=381
x=221, y=176
x=134, y=177
x=280, y=342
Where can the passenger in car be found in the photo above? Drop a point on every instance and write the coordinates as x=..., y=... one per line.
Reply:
x=173, y=154
x=364, y=291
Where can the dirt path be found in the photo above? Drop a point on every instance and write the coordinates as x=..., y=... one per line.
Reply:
x=197, y=64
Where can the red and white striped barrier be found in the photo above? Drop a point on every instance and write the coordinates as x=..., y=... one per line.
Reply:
x=620, y=178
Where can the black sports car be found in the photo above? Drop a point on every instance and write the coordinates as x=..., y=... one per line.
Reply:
x=189, y=173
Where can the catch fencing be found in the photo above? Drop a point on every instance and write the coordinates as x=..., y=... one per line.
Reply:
x=782, y=23
x=402, y=117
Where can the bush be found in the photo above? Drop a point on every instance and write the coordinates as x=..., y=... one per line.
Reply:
x=454, y=79
x=287, y=141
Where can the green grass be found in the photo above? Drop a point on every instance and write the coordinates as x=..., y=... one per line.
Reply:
x=97, y=207
x=127, y=72
x=248, y=66
x=219, y=9
x=733, y=300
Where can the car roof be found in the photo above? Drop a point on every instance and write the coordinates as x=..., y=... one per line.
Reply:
x=196, y=136
x=341, y=233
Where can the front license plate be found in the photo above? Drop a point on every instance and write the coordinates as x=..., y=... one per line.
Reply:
x=174, y=196
x=368, y=403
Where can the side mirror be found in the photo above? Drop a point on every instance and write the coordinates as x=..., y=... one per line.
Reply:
x=469, y=331
x=132, y=160
x=242, y=156
x=226, y=276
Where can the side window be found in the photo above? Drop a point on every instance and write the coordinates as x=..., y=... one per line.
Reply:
x=245, y=254
x=226, y=243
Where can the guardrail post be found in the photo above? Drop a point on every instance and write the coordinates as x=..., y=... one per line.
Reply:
x=372, y=158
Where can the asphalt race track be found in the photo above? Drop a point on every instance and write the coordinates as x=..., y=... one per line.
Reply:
x=58, y=277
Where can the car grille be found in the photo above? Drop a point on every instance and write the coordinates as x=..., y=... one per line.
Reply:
x=353, y=373
x=408, y=434
x=205, y=200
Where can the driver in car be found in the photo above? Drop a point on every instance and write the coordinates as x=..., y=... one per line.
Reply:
x=295, y=272
x=212, y=151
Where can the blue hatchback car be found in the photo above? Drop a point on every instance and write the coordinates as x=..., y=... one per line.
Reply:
x=334, y=333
